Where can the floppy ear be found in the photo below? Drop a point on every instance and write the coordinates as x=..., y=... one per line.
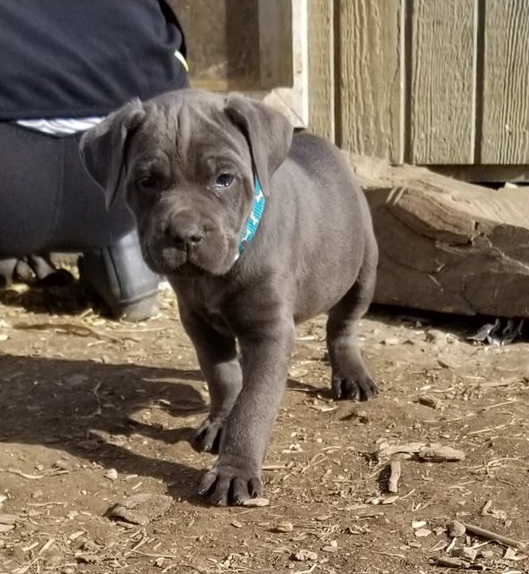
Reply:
x=268, y=132
x=104, y=148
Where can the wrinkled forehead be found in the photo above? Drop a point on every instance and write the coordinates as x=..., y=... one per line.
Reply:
x=191, y=130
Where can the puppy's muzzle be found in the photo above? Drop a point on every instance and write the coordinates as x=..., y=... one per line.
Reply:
x=185, y=231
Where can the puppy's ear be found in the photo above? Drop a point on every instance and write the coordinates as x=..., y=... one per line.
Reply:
x=268, y=132
x=104, y=148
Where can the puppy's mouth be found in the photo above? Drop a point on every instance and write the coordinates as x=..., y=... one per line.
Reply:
x=188, y=271
x=191, y=262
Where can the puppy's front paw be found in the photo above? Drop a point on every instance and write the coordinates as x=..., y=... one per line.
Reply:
x=230, y=484
x=360, y=388
x=208, y=435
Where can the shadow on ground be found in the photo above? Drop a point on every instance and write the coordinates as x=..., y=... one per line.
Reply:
x=71, y=406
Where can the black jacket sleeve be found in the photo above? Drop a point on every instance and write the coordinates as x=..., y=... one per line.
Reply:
x=76, y=58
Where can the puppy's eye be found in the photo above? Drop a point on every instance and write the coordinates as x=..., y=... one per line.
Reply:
x=150, y=182
x=224, y=180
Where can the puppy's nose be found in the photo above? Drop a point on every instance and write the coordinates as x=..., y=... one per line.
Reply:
x=185, y=232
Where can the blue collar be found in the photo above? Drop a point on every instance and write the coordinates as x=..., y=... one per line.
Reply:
x=252, y=224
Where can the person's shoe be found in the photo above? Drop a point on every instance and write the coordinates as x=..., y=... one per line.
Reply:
x=7, y=272
x=34, y=269
x=122, y=279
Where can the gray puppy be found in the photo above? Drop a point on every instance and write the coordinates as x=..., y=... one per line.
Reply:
x=256, y=229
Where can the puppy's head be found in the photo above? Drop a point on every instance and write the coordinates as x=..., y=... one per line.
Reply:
x=186, y=163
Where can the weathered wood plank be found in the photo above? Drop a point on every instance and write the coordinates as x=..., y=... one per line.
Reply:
x=321, y=68
x=447, y=245
x=275, y=42
x=222, y=37
x=441, y=98
x=505, y=128
x=370, y=82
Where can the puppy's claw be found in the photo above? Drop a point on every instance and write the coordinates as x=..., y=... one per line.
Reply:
x=224, y=487
x=358, y=388
x=208, y=436
x=239, y=491
x=207, y=482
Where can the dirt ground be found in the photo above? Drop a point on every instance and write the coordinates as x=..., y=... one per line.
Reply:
x=94, y=411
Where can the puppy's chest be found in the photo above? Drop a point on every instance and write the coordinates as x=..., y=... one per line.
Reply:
x=218, y=321
x=212, y=307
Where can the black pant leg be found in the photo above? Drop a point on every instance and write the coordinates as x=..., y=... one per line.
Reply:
x=47, y=200
x=30, y=181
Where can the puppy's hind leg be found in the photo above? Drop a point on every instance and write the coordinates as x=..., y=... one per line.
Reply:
x=350, y=377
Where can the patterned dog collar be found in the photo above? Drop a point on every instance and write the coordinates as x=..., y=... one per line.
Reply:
x=252, y=224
